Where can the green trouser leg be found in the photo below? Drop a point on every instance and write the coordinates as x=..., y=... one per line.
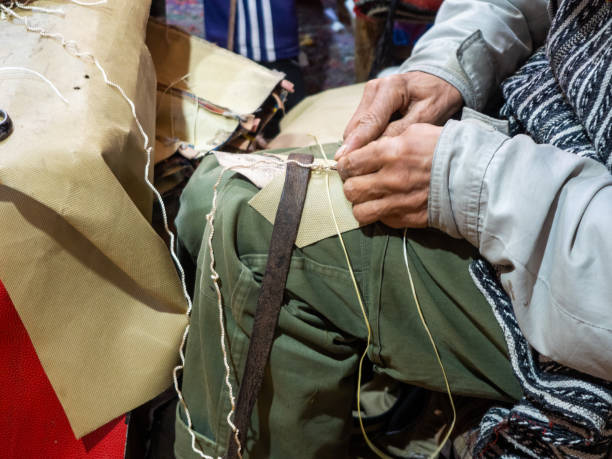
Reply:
x=304, y=407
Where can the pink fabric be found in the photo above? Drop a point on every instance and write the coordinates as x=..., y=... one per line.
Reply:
x=431, y=5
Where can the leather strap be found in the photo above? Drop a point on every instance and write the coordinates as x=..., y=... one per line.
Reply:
x=271, y=295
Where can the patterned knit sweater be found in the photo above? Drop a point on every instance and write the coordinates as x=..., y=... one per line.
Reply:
x=563, y=93
x=561, y=96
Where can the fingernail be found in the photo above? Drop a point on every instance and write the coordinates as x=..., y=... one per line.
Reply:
x=340, y=152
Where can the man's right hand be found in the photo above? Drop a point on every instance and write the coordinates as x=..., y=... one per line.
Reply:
x=419, y=97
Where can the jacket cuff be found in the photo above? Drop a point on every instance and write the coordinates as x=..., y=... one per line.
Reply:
x=468, y=67
x=461, y=159
x=449, y=70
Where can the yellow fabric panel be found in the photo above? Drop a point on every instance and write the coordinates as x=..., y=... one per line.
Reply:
x=92, y=282
x=317, y=222
x=324, y=115
x=179, y=118
x=215, y=75
x=236, y=83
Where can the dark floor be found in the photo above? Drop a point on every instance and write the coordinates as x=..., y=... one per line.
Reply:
x=329, y=54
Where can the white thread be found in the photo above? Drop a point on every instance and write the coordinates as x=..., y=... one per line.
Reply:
x=72, y=47
x=371, y=445
x=40, y=9
x=210, y=219
x=178, y=80
x=170, y=86
x=77, y=2
x=42, y=77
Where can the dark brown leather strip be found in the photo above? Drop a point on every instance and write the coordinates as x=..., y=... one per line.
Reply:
x=270, y=299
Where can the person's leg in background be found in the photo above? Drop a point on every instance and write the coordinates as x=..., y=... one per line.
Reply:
x=304, y=408
x=265, y=31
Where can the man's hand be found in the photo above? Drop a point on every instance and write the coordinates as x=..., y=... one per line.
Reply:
x=388, y=179
x=419, y=97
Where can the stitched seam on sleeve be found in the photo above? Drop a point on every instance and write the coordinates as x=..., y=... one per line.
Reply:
x=554, y=301
x=458, y=81
x=484, y=174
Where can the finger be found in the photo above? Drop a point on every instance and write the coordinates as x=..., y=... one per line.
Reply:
x=372, y=122
x=397, y=127
x=369, y=93
x=397, y=211
x=371, y=125
x=364, y=188
x=370, y=211
x=417, y=219
x=418, y=112
x=364, y=161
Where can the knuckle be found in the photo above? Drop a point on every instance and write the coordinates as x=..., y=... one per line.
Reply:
x=358, y=213
x=396, y=80
x=347, y=164
x=387, y=208
x=344, y=167
x=349, y=190
x=369, y=119
x=397, y=128
x=391, y=150
x=412, y=130
x=372, y=84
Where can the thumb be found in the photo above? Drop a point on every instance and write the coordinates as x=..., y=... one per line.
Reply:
x=370, y=127
x=418, y=112
x=398, y=127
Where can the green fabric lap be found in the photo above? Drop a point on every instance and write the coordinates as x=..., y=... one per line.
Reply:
x=466, y=333
x=310, y=382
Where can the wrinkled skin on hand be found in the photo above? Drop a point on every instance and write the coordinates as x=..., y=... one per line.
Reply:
x=417, y=96
x=386, y=166
x=388, y=179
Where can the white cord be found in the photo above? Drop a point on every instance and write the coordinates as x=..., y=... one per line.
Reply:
x=33, y=72
x=77, y=2
x=72, y=47
x=210, y=219
x=40, y=9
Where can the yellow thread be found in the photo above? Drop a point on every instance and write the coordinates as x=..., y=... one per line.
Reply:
x=435, y=348
x=371, y=445
x=369, y=329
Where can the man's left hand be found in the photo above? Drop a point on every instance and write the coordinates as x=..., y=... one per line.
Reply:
x=388, y=179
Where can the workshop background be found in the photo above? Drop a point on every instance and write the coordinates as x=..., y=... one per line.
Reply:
x=337, y=46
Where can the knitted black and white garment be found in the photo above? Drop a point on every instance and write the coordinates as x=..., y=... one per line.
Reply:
x=563, y=413
x=562, y=96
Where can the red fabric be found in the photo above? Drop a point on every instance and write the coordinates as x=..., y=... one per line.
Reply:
x=32, y=421
x=431, y=5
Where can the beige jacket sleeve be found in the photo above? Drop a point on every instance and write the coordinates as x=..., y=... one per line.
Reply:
x=475, y=44
x=543, y=216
